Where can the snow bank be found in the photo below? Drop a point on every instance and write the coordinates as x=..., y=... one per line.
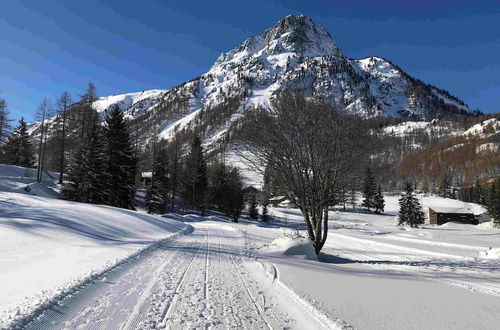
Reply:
x=48, y=246
x=291, y=245
x=490, y=253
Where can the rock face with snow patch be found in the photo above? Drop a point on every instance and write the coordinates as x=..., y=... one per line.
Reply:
x=295, y=54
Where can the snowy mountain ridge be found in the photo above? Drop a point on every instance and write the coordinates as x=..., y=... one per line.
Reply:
x=295, y=54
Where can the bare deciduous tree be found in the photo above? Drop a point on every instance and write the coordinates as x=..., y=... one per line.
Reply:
x=311, y=148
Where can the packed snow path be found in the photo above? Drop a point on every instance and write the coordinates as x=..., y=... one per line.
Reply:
x=203, y=279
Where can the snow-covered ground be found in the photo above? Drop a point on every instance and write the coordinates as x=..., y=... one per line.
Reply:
x=210, y=273
x=373, y=274
x=48, y=245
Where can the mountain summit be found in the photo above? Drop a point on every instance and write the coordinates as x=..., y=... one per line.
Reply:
x=293, y=34
x=295, y=54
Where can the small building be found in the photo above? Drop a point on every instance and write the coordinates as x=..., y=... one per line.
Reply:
x=442, y=215
x=287, y=204
x=146, y=179
x=274, y=201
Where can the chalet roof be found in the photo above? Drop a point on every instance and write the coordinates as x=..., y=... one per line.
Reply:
x=147, y=174
x=456, y=210
x=277, y=198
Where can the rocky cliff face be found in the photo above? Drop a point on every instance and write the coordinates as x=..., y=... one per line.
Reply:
x=295, y=54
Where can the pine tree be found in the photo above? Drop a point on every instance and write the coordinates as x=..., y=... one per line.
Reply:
x=235, y=194
x=494, y=202
x=18, y=149
x=265, y=216
x=87, y=176
x=121, y=161
x=195, y=176
x=157, y=198
x=379, y=202
x=410, y=211
x=253, y=213
x=368, y=189
x=42, y=115
x=444, y=188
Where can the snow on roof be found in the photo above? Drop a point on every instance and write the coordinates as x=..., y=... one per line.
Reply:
x=457, y=210
x=277, y=198
x=147, y=174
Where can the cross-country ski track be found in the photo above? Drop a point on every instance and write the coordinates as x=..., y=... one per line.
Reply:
x=205, y=278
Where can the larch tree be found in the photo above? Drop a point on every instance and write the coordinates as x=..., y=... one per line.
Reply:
x=63, y=104
x=5, y=127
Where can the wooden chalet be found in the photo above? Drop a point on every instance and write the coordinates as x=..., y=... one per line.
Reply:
x=442, y=215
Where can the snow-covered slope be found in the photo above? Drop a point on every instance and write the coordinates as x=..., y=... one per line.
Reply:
x=48, y=245
x=295, y=54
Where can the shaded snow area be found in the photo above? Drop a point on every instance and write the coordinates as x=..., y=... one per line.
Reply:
x=67, y=265
x=47, y=245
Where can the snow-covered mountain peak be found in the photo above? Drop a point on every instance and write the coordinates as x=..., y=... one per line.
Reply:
x=293, y=35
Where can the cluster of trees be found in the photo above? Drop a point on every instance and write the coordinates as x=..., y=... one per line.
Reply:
x=15, y=146
x=200, y=186
x=103, y=170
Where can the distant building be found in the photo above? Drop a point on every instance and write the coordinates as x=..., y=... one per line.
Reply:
x=287, y=204
x=442, y=215
x=274, y=201
x=146, y=179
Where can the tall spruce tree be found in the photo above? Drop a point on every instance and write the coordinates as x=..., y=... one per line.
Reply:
x=379, y=202
x=493, y=203
x=444, y=188
x=87, y=175
x=18, y=150
x=158, y=193
x=410, y=211
x=369, y=189
x=195, y=177
x=120, y=160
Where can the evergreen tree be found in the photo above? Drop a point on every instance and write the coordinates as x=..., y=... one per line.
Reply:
x=120, y=160
x=444, y=188
x=265, y=213
x=494, y=202
x=235, y=194
x=410, y=211
x=226, y=190
x=379, y=202
x=195, y=176
x=86, y=111
x=18, y=149
x=4, y=122
x=87, y=176
x=352, y=193
x=253, y=213
x=368, y=189
x=157, y=198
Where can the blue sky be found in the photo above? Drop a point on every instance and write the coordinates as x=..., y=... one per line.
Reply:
x=50, y=46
